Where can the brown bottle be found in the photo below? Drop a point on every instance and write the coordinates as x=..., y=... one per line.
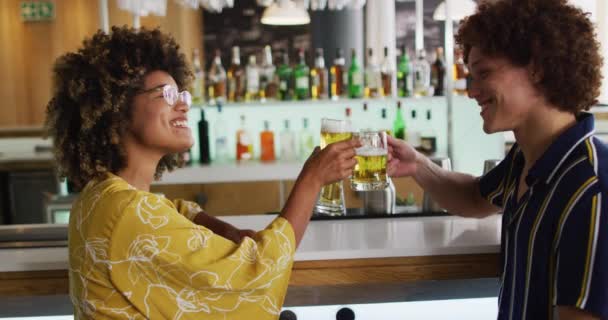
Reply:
x=318, y=77
x=267, y=143
x=236, y=77
x=337, y=75
x=217, y=80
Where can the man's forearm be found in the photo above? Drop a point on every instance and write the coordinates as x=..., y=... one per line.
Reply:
x=454, y=191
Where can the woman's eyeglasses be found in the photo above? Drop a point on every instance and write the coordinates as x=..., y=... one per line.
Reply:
x=171, y=95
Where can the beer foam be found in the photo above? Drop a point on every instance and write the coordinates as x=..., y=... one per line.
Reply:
x=335, y=126
x=371, y=151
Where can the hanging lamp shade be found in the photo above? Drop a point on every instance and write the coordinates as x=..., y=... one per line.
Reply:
x=459, y=8
x=285, y=13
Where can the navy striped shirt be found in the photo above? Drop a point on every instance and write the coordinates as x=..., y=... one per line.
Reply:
x=555, y=238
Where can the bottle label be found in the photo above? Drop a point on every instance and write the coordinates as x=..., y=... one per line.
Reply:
x=357, y=79
x=253, y=83
x=302, y=83
x=283, y=85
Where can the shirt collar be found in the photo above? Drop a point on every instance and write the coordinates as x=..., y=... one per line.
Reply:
x=559, y=150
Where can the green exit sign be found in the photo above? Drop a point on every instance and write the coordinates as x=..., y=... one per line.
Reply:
x=37, y=10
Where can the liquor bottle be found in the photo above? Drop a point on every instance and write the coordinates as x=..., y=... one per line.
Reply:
x=399, y=127
x=387, y=75
x=422, y=73
x=236, y=78
x=461, y=73
x=288, y=144
x=336, y=74
x=222, y=153
x=268, y=84
x=244, y=143
x=403, y=75
x=252, y=73
x=217, y=80
x=198, y=84
x=318, y=77
x=385, y=123
x=307, y=140
x=301, y=75
x=428, y=138
x=285, y=73
x=203, y=139
x=267, y=143
x=373, y=76
x=413, y=134
x=438, y=73
x=355, y=77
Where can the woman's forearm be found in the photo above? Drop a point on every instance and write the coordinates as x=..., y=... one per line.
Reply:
x=300, y=204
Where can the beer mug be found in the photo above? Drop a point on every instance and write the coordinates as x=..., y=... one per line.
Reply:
x=370, y=171
x=331, y=198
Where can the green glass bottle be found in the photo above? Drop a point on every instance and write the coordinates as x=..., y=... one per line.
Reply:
x=284, y=72
x=403, y=72
x=355, y=77
x=300, y=75
x=399, y=127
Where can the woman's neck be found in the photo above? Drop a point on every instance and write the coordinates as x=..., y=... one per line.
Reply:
x=141, y=165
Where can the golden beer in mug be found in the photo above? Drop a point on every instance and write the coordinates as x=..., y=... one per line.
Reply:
x=370, y=172
x=331, y=198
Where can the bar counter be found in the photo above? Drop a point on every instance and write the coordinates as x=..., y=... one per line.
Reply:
x=333, y=252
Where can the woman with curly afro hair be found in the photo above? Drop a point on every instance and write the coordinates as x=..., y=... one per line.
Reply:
x=535, y=70
x=118, y=119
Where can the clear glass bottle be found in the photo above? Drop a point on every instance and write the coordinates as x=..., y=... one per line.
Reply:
x=336, y=74
x=318, y=77
x=268, y=84
x=217, y=80
x=244, y=142
x=373, y=76
x=413, y=132
x=301, y=75
x=288, y=143
x=388, y=74
x=198, y=84
x=236, y=77
x=222, y=153
x=252, y=73
x=422, y=75
x=267, y=143
x=307, y=141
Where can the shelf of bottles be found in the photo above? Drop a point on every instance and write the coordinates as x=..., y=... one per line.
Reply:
x=260, y=117
x=294, y=127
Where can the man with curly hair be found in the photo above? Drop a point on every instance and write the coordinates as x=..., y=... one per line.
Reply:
x=535, y=67
x=118, y=120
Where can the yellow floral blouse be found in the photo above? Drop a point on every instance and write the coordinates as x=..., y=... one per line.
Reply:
x=137, y=255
